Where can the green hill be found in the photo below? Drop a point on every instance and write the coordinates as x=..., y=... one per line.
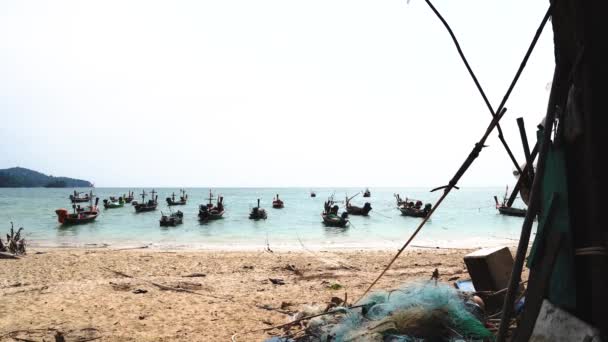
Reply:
x=18, y=177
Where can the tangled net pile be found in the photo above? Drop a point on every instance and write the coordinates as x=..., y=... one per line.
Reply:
x=416, y=312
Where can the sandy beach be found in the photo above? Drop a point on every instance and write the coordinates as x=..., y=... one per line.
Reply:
x=123, y=295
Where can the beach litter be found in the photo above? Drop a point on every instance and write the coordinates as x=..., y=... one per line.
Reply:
x=421, y=311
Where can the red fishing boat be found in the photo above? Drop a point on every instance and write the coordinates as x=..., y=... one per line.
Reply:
x=80, y=215
x=277, y=203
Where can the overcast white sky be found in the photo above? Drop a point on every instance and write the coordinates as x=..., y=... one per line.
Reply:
x=265, y=93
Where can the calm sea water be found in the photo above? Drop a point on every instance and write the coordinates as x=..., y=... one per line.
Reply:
x=467, y=218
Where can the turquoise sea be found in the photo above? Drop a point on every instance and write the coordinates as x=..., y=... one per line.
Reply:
x=467, y=218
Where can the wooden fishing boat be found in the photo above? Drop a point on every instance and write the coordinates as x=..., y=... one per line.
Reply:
x=171, y=220
x=330, y=215
x=504, y=209
x=146, y=206
x=510, y=211
x=258, y=213
x=277, y=203
x=113, y=202
x=313, y=194
x=208, y=211
x=366, y=193
x=183, y=198
x=78, y=197
x=355, y=210
x=400, y=202
x=415, y=209
x=80, y=215
x=129, y=197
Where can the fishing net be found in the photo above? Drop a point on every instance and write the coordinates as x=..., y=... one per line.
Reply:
x=416, y=312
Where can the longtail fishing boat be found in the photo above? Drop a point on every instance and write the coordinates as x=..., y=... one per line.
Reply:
x=129, y=197
x=400, y=202
x=80, y=215
x=208, y=211
x=78, y=197
x=113, y=202
x=183, y=198
x=504, y=208
x=258, y=213
x=415, y=209
x=171, y=220
x=277, y=203
x=331, y=217
x=355, y=210
x=146, y=206
x=366, y=193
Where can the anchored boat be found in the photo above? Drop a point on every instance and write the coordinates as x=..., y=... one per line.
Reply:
x=146, y=206
x=78, y=197
x=80, y=215
x=208, y=211
x=414, y=209
x=331, y=217
x=258, y=213
x=129, y=197
x=355, y=210
x=171, y=220
x=113, y=202
x=277, y=203
x=183, y=198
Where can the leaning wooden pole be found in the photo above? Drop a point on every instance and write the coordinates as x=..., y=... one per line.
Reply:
x=521, y=178
x=447, y=188
x=526, y=230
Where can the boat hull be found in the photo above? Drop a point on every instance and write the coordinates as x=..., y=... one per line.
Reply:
x=412, y=212
x=359, y=211
x=210, y=215
x=170, y=202
x=81, y=218
x=141, y=208
x=509, y=211
x=334, y=221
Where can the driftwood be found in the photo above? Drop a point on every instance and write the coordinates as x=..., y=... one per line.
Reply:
x=15, y=244
x=165, y=287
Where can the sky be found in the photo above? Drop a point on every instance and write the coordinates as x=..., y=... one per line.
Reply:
x=266, y=93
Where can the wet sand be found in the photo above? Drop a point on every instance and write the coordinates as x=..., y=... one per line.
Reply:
x=76, y=292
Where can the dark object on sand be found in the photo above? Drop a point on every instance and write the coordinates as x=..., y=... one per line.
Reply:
x=366, y=193
x=505, y=209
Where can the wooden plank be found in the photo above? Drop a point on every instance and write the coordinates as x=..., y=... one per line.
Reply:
x=539, y=280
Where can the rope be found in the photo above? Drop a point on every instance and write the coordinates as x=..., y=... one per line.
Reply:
x=483, y=94
x=478, y=147
x=448, y=188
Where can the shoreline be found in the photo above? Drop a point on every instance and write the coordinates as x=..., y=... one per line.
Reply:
x=462, y=244
x=100, y=292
